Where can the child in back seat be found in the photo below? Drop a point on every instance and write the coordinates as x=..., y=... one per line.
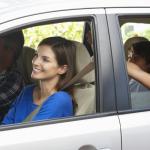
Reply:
x=141, y=57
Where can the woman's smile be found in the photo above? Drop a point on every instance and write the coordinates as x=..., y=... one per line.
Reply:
x=36, y=70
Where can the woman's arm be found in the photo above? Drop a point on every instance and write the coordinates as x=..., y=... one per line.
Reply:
x=138, y=74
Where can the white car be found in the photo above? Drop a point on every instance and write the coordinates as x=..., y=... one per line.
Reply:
x=108, y=116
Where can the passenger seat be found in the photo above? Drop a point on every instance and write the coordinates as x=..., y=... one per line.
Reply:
x=24, y=64
x=84, y=92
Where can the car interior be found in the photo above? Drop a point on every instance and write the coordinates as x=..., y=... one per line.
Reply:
x=84, y=87
x=139, y=100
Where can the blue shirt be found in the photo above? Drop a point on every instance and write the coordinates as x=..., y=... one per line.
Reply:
x=56, y=106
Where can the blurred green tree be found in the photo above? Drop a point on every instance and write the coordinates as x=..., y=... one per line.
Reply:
x=69, y=30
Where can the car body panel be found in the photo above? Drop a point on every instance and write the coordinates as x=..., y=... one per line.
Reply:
x=127, y=131
x=20, y=8
x=135, y=130
x=37, y=18
x=100, y=132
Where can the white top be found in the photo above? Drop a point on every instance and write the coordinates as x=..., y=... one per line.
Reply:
x=136, y=86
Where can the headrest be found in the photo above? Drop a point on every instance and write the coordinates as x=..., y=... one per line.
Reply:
x=82, y=59
x=24, y=63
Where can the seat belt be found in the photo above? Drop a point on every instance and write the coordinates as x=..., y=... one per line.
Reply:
x=32, y=114
x=88, y=68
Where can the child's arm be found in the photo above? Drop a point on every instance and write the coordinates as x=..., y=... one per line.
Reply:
x=138, y=74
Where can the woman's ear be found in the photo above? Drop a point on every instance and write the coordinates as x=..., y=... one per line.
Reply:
x=63, y=69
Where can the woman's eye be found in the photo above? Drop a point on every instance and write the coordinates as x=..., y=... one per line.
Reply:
x=45, y=59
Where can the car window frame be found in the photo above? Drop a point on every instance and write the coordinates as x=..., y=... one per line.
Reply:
x=130, y=16
x=124, y=105
x=99, y=88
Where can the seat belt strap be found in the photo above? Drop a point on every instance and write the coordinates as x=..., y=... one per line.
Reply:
x=88, y=68
x=32, y=114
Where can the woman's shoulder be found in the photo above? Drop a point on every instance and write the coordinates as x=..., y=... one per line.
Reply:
x=29, y=87
x=60, y=99
x=28, y=90
x=62, y=94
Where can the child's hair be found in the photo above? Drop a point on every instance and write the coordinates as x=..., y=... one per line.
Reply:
x=142, y=49
x=129, y=42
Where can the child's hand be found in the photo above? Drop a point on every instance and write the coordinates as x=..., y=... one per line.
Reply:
x=132, y=68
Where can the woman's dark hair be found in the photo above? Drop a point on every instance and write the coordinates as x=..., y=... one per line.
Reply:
x=142, y=49
x=14, y=41
x=65, y=51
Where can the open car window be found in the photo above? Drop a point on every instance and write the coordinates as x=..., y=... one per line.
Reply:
x=136, y=29
x=83, y=88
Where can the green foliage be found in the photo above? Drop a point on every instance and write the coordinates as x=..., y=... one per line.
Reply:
x=146, y=34
x=69, y=30
x=128, y=31
x=129, y=35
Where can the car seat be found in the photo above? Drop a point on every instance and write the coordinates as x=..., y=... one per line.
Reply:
x=24, y=64
x=84, y=91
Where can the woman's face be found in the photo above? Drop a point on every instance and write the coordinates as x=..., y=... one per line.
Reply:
x=45, y=66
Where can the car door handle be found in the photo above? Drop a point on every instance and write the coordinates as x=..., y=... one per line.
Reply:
x=91, y=147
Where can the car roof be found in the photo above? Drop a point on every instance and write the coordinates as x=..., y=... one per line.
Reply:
x=11, y=9
x=75, y=3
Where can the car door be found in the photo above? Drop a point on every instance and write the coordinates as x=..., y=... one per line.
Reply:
x=99, y=131
x=134, y=112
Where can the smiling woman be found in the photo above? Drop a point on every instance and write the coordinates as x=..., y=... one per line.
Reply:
x=53, y=67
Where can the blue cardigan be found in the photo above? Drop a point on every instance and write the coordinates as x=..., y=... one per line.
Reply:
x=56, y=106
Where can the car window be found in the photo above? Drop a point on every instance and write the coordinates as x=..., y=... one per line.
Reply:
x=69, y=30
x=84, y=88
x=135, y=39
